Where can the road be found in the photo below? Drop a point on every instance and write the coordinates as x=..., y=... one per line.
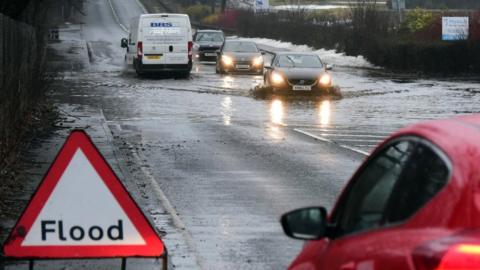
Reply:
x=225, y=165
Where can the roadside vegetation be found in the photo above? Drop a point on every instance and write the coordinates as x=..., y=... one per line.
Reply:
x=410, y=42
x=203, y=11
x=366, y=28
x=444, y=4
x=24, y=78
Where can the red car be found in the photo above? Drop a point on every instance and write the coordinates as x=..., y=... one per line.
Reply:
x=413, y=204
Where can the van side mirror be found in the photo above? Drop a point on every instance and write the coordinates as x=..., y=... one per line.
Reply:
x=124, y=43
x=305, y=223
x=329, y=67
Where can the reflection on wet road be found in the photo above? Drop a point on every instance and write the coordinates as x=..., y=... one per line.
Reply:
x=227, y=110
x=230, y=164
x=277, y=112
x=324, y=113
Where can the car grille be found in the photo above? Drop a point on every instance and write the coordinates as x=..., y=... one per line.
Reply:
x=208, y=49
x=301, y=82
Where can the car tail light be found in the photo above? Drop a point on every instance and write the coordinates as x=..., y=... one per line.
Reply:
x=464, y=256
x=139, y=49
x=190, y=50
x=460, y=252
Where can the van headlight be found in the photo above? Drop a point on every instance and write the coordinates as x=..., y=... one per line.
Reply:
x=276, y=78
x=257, y=61
x=325, y=80
x=227, y=60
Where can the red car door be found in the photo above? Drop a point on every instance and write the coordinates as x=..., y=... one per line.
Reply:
x=370, y=226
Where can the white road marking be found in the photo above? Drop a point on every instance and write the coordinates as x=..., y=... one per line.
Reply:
x=116, y=17
x=142, y=7
x=352, y=135
x=386, y=133
x=357, y=140
x=178, y=222
x=158, y=192
x=356, y=150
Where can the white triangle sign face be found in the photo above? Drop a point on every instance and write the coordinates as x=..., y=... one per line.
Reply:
x=82, y=210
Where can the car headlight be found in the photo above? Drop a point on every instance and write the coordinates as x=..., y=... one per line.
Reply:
x=258, y=61
x=227, y=60
x=325, y=80
x=276, y=78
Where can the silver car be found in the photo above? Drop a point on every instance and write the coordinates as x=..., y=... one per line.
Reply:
x=239, y=56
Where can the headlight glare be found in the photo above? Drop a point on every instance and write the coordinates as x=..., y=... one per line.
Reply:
x=276, y=78
x=258, y=61
x=227, y=60
x=325, y=80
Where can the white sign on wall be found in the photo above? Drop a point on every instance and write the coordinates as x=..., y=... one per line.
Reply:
x=455, y=28
x=261, y=5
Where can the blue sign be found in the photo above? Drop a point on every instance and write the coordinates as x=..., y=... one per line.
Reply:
x=161, y=24
x=455, y=28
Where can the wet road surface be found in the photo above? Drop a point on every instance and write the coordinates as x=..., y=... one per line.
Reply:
x=228, y=164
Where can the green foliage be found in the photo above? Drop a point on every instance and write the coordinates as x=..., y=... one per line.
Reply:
x=198, y=12
x=366, y=33
x=417, y=20
x=211, y=19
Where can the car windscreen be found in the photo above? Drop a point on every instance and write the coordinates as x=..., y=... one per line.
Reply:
x=246, y=47
x=209, y=37
x=299, y=61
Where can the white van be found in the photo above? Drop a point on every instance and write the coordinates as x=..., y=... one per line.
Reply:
x=160, y=42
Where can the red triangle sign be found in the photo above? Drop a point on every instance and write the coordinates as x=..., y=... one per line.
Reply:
x=82, y=210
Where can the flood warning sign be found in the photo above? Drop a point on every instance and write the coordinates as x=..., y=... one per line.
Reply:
x=81, y=210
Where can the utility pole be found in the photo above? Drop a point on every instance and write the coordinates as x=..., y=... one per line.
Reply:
x=399, y=7
x=223, y=6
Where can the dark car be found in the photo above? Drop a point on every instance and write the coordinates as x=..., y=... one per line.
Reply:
x=413, y=205
x=207, y=43
x=239, y=56
x=295, y=71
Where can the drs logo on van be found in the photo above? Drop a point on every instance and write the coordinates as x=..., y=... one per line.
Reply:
x=161, y=24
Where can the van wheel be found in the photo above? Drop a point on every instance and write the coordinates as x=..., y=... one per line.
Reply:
x=138, y=71
x=183, y=75
x=138, y=68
